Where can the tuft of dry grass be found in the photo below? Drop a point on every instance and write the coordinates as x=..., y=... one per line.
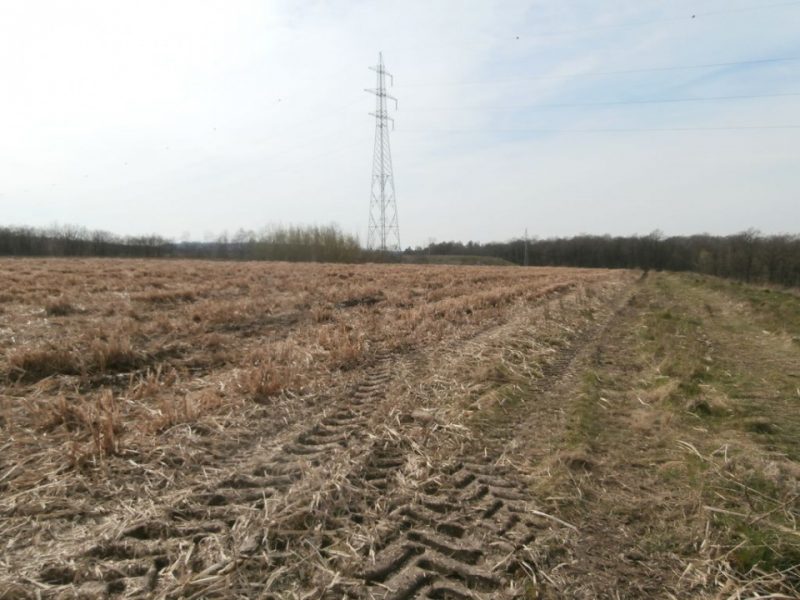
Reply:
x=178, y=409
x=264, y=382
x=62, y=412
x=344, y=345
x=166, y=297
x=59, y=307
x=95, y=420
x=115, y=354
x=32, y=364
x=275, y=368
x=106, y=425
x=322, y=314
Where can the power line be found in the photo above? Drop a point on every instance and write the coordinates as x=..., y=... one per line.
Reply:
x=608, y=103
x=740, y=63
x=685, y=18
x=712, y=13
x=608, y=130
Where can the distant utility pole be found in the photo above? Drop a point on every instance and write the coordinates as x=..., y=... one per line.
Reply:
x=384, y=231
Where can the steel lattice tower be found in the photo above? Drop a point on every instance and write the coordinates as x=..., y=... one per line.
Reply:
x=384, y=231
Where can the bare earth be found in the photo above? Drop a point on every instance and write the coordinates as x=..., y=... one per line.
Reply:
x=196, y=429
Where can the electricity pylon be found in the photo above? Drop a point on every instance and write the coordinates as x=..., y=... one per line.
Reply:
x=384, y=231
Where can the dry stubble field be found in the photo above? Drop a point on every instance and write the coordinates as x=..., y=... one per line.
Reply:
x=189, y=429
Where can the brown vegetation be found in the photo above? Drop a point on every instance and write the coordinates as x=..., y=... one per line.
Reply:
x=197, y=429
x=132, y=334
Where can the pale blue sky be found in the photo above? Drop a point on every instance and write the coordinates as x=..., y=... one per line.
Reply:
x=188, y=117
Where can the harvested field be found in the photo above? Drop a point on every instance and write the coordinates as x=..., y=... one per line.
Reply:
x=195, y=429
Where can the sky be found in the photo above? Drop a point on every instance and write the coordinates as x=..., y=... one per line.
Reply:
x=191, y=118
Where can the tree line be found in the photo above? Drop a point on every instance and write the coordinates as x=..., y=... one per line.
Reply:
x=70, y=240
x=294, y=243
x=747, y=256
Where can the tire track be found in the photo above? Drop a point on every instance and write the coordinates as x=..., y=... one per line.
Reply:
x=143, y=557
x=454, y=539
x=466, y=529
